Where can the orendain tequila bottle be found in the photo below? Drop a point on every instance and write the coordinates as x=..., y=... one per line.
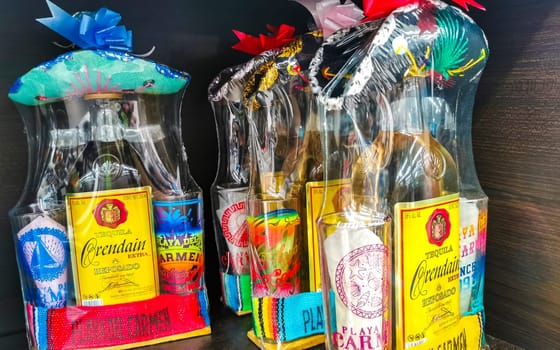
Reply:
x=422, y=192
x=109, y=213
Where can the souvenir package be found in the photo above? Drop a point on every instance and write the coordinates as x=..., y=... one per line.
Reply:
x=395, y=253
x=279, y=75
x=230, y=187
x=286, y=171
x=109, y=229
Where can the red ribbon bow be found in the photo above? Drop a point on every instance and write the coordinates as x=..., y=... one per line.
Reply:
x=374, y=9
x=279, y=37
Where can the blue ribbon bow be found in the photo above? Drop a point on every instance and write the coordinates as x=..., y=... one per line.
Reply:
x=90, y=29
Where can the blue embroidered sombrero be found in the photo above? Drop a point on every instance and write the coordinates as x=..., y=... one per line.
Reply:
x=85, y=72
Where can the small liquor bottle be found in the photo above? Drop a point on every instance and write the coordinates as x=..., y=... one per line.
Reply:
x=230, y=186
x=285, y=156
x=177, y=198
x=474, y=214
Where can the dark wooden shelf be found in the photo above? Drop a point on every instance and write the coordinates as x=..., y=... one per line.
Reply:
x=498, y=344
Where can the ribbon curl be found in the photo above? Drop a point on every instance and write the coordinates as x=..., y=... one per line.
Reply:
x=88, y=30
x=331, y=15
x=252, y=45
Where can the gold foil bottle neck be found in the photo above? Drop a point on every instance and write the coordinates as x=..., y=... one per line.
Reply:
x=103, y=95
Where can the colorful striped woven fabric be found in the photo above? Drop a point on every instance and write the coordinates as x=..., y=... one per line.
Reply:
x=236, y=292
x=290, y=318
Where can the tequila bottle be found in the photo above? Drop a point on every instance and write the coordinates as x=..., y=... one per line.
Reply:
x=306, y=184
x=109, y=212
x=422, y=187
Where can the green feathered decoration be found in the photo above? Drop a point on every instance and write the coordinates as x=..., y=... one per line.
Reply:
x=450, y=46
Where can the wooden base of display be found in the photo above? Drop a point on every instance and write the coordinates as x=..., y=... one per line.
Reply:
x=242, y=313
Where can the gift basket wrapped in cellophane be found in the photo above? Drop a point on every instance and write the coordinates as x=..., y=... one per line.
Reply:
x=403, y=255
x=109, y=228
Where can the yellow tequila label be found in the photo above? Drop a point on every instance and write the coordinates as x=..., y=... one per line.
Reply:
x=112, y=246
x=427, y=266
x=337, y=196
x=465, y=335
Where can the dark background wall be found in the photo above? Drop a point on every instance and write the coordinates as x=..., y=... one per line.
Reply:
x=516, y=135
x=517, y=149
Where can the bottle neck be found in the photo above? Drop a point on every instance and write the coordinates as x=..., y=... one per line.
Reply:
x=406, y=108
x=232, y=131
x=469, y=184
x=105, y=123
